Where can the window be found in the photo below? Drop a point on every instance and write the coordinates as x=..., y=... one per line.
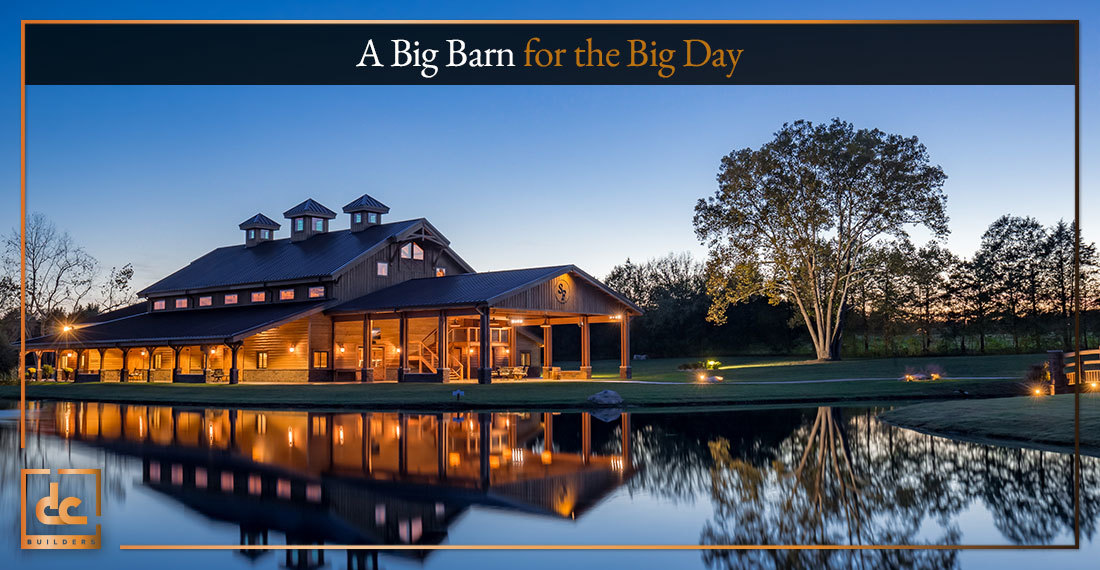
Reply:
x=181, y=303
x=261, y=360
x=206, y=301
x=259, y=296
x=299, y=224
x=158, y=305
x=286, y=294
x=358, y=217
x=319, y=225
x=412, y=251
x=525, y=358
x=231, y=299
x=265, y=234
x=383, y=269
x=372, y=218
x=440, y=271
x=320, y=359
x=158, y=360
x=316, y=292
x=251, y=234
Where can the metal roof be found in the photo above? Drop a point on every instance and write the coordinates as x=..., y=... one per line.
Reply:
x=310, y=208
x=279, y=260
x=259, y=221
x=192, y=326
x=464, y=290
x=365, y=203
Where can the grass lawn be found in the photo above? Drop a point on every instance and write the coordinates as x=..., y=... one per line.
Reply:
x=785, y=368
x=1044, y=422
x=516, y=395
x=776, y=373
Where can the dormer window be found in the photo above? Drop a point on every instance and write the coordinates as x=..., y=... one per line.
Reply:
x=206, y=301
x=299, y=224
x=286, y=294
x=259, y=296
x=230, y=299
x=412, y=251
x=181, y=303
x=158, y=305
x=316, y=292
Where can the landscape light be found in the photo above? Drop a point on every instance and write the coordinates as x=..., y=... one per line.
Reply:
x=1038, y=392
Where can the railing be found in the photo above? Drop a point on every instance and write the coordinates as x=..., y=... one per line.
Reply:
x=1090, y=364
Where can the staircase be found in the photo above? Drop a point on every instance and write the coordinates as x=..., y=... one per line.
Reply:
x=425, y=359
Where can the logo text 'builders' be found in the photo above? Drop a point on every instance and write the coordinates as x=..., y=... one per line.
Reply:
x=53, y=510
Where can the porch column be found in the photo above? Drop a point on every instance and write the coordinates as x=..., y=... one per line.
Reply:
x=176, y=370
x=512, y=345
x=38, y=365
x=485, y=350
x=624, y=348
x=76, y=367
x=205, y=358
x=547, y=348
x=102, y=354
x=234, y=362
x=403, y=339
x=149, y=363
x=441, y=347
x=124, y=374
x=366, y=373
x=586, y=349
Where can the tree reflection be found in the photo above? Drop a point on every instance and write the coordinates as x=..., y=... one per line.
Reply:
x=843, y=478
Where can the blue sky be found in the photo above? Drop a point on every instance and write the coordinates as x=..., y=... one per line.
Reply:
x=514, y=176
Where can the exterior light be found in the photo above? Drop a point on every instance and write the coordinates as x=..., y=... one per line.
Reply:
x=397, y=350
x=292, y=349
x=66, y=328
x=547, y=457
x=213, y=350
x=471, y=351
x=290, y=436
x=143, y=353
x=516, y=321
x=1092, y=385
x=702, y=376
x=507, y=351
x=341, y=348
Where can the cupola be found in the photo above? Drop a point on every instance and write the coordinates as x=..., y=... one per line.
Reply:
x=258, y=229
x=365, y=212
x=308, y=219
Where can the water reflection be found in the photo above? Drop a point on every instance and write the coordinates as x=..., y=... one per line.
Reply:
x=780, y=476
x=354, y=478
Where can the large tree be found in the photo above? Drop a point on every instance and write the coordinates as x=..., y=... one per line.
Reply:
x=60, y=274
x=801, y=210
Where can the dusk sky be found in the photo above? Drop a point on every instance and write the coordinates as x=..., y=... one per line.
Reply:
x=513, y=176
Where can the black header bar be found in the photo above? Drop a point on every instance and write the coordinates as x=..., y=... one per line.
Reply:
x=311, y=53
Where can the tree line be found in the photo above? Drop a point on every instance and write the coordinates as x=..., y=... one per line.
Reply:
x=1014, y=294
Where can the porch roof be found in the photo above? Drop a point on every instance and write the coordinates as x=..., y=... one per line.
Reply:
x=200, y=326
x=466, y=289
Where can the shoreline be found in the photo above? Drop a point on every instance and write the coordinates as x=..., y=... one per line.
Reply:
x=686, y=397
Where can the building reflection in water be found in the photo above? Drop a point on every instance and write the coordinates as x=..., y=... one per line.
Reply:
x=355, y=478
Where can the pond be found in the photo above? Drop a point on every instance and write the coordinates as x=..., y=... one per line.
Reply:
x=824, y=475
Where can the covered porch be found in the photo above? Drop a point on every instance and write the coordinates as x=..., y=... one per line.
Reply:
x=478, y=327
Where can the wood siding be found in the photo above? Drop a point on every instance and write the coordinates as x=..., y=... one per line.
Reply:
x=582, y=298
x=363, y=278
